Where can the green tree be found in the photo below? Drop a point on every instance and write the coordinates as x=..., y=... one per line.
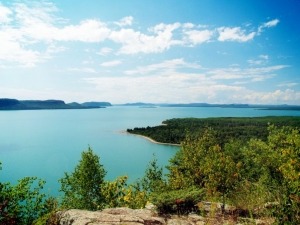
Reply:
x=153, y=178
x=22, y=203
x=221, y=173
x=82, y=188
x=186, y=167
x=203, y=163
x=285, y=144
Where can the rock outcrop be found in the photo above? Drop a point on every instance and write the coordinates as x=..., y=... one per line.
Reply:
x=124, y=216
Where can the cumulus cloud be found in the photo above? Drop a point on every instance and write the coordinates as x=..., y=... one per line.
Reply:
x=134, y=42
x=87, y=31
x=199, y=36
x=125, y=21
x=234, y=34
x=31, y=27
x=5, y=14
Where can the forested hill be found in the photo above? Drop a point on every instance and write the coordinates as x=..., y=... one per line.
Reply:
x=14, y=104
x=242, y=128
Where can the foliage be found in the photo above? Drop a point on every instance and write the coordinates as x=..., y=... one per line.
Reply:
x=114, y=192
x=50, y=218
x=152, y=180
x=227, y=128
x=204, y=164
x=82, y=187
x=182, y=201
x=221, y=173
x=22, y=203
x=119, y=194
x=249, y=174
x=285, y=143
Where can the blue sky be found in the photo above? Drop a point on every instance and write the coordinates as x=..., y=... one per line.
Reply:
x=162, y=51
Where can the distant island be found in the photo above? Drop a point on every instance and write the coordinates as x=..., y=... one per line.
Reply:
x=14, y=104
x=255, y=106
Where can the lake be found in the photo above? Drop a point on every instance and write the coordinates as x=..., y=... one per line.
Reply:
x=47, y=143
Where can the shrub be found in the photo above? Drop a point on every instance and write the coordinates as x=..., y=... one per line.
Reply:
x=182, y=201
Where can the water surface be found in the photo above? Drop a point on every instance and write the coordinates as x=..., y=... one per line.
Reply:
x=46, y=143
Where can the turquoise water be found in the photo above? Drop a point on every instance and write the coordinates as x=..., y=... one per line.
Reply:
x=47, y=143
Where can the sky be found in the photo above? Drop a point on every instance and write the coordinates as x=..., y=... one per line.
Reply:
x=158, y=51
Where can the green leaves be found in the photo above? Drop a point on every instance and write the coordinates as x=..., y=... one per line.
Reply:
x=82, y=188
x=22, y=203
x=248, y=174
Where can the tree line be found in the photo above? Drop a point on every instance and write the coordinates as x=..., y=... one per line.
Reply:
x=174, y=131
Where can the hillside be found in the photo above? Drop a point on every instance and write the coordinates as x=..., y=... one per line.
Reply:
x=14, y=104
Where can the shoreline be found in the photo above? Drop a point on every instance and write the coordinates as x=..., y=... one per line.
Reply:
x=151, y=140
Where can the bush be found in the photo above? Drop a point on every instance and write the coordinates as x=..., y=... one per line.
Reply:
x=22, y=203
x=182, y=201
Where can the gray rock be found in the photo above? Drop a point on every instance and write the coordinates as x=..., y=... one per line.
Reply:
x=114, y=216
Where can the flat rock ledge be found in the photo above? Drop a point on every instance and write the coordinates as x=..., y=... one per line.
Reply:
x=127, y=216
x=123, y=216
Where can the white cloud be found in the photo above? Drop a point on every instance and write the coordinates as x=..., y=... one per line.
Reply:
x=33, y=32
x=261, y=60
x=188, y=25
x=160, y=88
x=287, y=96
x=125, y=21
x=180, y=87
x=265, y=57
x=180, y=81
x=86, y=31
x=245, y=75
x=167, y=65
x=134, y=42
x=111, y=63
x=13, y=51
x=255, y=62
x=234, y=34
x=82, y=70
x=288, y=84
x=5, y=14
x=105, y=51
x=199, y=36
x=271, y=23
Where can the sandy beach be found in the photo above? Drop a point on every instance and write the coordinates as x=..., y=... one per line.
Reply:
x=150, y=139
